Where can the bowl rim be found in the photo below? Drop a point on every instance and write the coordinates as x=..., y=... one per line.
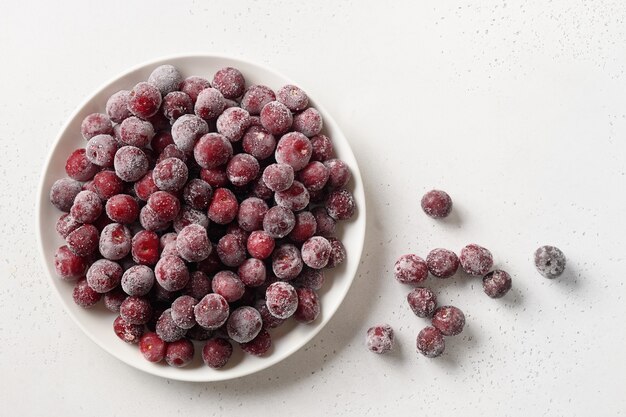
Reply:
x=43, y=198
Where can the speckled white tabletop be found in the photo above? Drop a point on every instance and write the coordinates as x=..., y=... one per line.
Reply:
x=517, y=109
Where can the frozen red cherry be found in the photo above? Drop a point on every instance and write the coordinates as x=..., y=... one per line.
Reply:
x=138, y=280
x=233, y=123
x=83, y=295
x=171, y=151
x=309, y=122
x=166, y=78
x=145, y=187
x=101, y=150
x=258, y=346
x=212, y=150
x=104, y=275
x=96, y=124
x=115, y=241
x=269, y=321
x=224, y=207
x=167, y=238
x=228, y=285
x=242, y=169
x=314, y=176
x=136, y=310
x=63, y=192
x=294, y=149
x=337, y=253
x=316, y=252
x=244, y=324
x=338, y=173
x=79, y=168
x=322, y=148
x=410, y=269
x=66, y=225
x=260, y=190
x=449, y=320
x=130, y=163
x=171, y=273
x=136, y=132
x=161, y=140
x=117, y=106
x=170, y=174
x=260, y=244
x=217, y=352
x=279, y=221
x=475, y=259
x=87, y=207
x=442, y=263
x=341, y=205
x=145, y=247
x=68, y=265
x=310, y=278
x=186, y=131
x=129, y=333
x=113, y=299
x=258, y=142
x=183, y=311
x=150, y=220
x=550, y=261
x=380, y=338
x=107, y=184
x=278, y=177
x=198, y=286
x=193, y=85
x=251, y=213
x=255, y=97
x=209, y=104
x=193, y=243
x=144, y=100
x=305, y=227
x=430, y=342
x=437, y=204
x=230, y=82
x=293, y=97
x=231, y=250
x=308, y=305
x=276, y=118
x=287, y=262
x=83, y=241
x=152, y=347
x=197, y=194
x=167, y=330
x=179, y=353
x=212, y=311
x=496, y=283
x=281, y=299
x=294, y=198
x=252, y=272
x=422, y=301
x=165, y=205
x=122, y=208
x=325, y=225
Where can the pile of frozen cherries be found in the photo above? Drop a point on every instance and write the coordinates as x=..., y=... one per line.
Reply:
x=202, y=210
x=441, y=263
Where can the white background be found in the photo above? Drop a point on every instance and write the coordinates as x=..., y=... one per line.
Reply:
x=517, y=109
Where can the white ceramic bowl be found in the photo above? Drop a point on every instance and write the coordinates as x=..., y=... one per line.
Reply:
x=97, y=322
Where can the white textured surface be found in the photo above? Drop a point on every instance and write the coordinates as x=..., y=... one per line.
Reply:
x=518, y=110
